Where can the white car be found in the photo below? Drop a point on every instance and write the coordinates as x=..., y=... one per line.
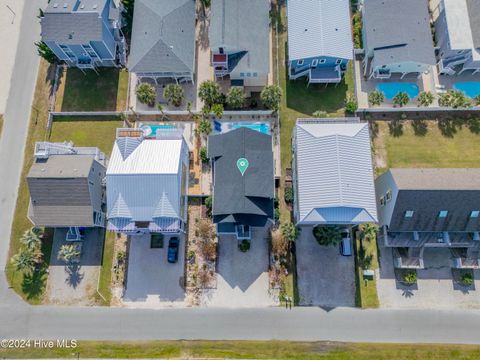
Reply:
x=346, y=243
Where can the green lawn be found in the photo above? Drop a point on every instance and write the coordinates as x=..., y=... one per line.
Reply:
x=31, y=287
x=1, y=124
x=279, y=350
x=104, y=285
x=426, y=144
x=100, y=133
x=366, y=257
x=89, y=91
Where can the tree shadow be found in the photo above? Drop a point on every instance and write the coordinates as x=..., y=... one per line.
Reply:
x=33, y=284
x=395, y=128
x=374, y=128
x=474, y=125
x=448, y=127
x=74, y=276
x=420, y=127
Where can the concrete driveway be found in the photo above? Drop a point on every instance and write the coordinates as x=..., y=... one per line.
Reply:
x=75, y=283
x=242, y=278
x=324, y=277
x=435, y=288
x=152, y=282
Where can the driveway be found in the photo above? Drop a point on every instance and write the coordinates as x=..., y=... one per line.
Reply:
x=324, y=277
x=435, y=288
x=75, y=283
x=152, y=282
x=242, y=278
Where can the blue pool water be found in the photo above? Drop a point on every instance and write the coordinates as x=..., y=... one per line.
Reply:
x=392, y=89
x=471, y=89
x=264, y=128
x=151, y=130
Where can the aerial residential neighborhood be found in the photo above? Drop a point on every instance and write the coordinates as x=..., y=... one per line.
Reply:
x=303, y=174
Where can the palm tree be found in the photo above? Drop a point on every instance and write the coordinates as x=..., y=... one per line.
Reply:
x=24, y=260
x=31, y=239
x=369, y=231
x=327, y=235
x=67, y=253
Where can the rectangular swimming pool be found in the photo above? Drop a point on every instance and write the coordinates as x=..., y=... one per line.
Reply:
x=151, y=130
x=392, y=89
x=469, y=88
x=222, y=127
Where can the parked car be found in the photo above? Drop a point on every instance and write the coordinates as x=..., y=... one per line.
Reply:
x=346, y=243
x=172, y=254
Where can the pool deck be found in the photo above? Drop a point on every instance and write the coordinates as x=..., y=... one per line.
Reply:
x=449, y=81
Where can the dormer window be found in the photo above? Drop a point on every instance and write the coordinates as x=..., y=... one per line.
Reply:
x=443, y=214
x=382, y=200
x=388, y=195
x=409, y=214
x=300, y=62
x=474, y=214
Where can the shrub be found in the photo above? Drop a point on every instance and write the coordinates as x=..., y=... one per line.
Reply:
x=410, y=277
x=24, y=261
x=401, y=99
x=288, y=196
x=45, y=52
x=425, y=98
x=357, y=30
x=217, y=109
x=208, y=249
x=174, y=94
x=209, y=204
x=271, y=96
x=320, y=114
x=276, y=214
x=209, y=92
x=205, y=127
x=376, y=98
x=467, y=279
x=205, y=230
x=289, y=231
x=244, y=245
x=236, y=97
x=351, y=104
x=327, y=235
x=203, y=155
x=279, y=244
x=146, y=94
x=455, y=99
x=476, y=100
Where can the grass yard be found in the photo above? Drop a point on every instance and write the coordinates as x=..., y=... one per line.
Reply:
x=366, y=257
x=89, y=91
x=279, y=350
x=1, y=124
x=426, y=144
x=31, y=287
x=100, y=133
x=104, y=285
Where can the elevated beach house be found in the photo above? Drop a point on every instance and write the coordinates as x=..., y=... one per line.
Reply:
x=397, y=38
x=240, y=41
x=319, y=39
x=430, y=209
x=84, y=33
x=163, y=40
x=243, y=181
x=457, y=32
x=147, y=182
x=66, y=188
x=332, y=173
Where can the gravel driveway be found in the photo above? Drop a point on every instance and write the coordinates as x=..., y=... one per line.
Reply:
x=324, y=277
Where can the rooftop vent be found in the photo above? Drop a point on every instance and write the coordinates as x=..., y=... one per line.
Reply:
x=65, y=5
x=95, y=6
x=55, y=5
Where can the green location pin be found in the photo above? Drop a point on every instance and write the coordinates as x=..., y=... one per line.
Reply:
x=242, y=165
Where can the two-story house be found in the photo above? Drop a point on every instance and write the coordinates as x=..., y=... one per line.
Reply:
x=397, y=39
x=85, y=33
x=457, y=33
x=428, y=209
x=147, y=182
x=66, y=188
x=319, y=39
x=239, y=37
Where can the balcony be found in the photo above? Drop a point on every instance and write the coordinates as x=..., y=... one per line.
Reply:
x=321, y=75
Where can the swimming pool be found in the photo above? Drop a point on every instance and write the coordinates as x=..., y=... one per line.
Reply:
x=264, y=128
x=151, y=130
x=469, y=88
x=392, y=89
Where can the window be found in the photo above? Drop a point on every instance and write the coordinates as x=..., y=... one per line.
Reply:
x=242, y=74
x=249, y=74
x=474, y=214
x=255, y=74
x=443, y=214
x=409, y=213
x=142, y=224
x=388, y=195
x=156, y=241
x=323, y=61
x=339, y=61
x=314, y=63
x=300, y=62
x=382, y=201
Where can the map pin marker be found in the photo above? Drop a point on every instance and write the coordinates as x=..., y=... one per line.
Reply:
x=242, y=165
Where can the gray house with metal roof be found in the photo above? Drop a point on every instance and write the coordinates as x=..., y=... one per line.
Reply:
x=85, y=33
x=163, y=40
x=65, y=184
x=397, y=38
x=240, y=41
x=243, y=181
x=457, y=31
x=430, y=208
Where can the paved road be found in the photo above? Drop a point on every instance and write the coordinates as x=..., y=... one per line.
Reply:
x=17, y=113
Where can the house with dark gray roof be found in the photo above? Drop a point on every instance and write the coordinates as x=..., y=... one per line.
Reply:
x=243, y=181
x=396, y=37
x=84, y=33
x=163, y=40
x=457, y=32
x=430, y=208
x=239, y=37
x=65, y=185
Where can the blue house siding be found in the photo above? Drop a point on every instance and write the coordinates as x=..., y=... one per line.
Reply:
x=57, y=50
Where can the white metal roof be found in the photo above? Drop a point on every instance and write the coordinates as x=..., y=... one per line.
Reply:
x=334, y=172
x=319, y=28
